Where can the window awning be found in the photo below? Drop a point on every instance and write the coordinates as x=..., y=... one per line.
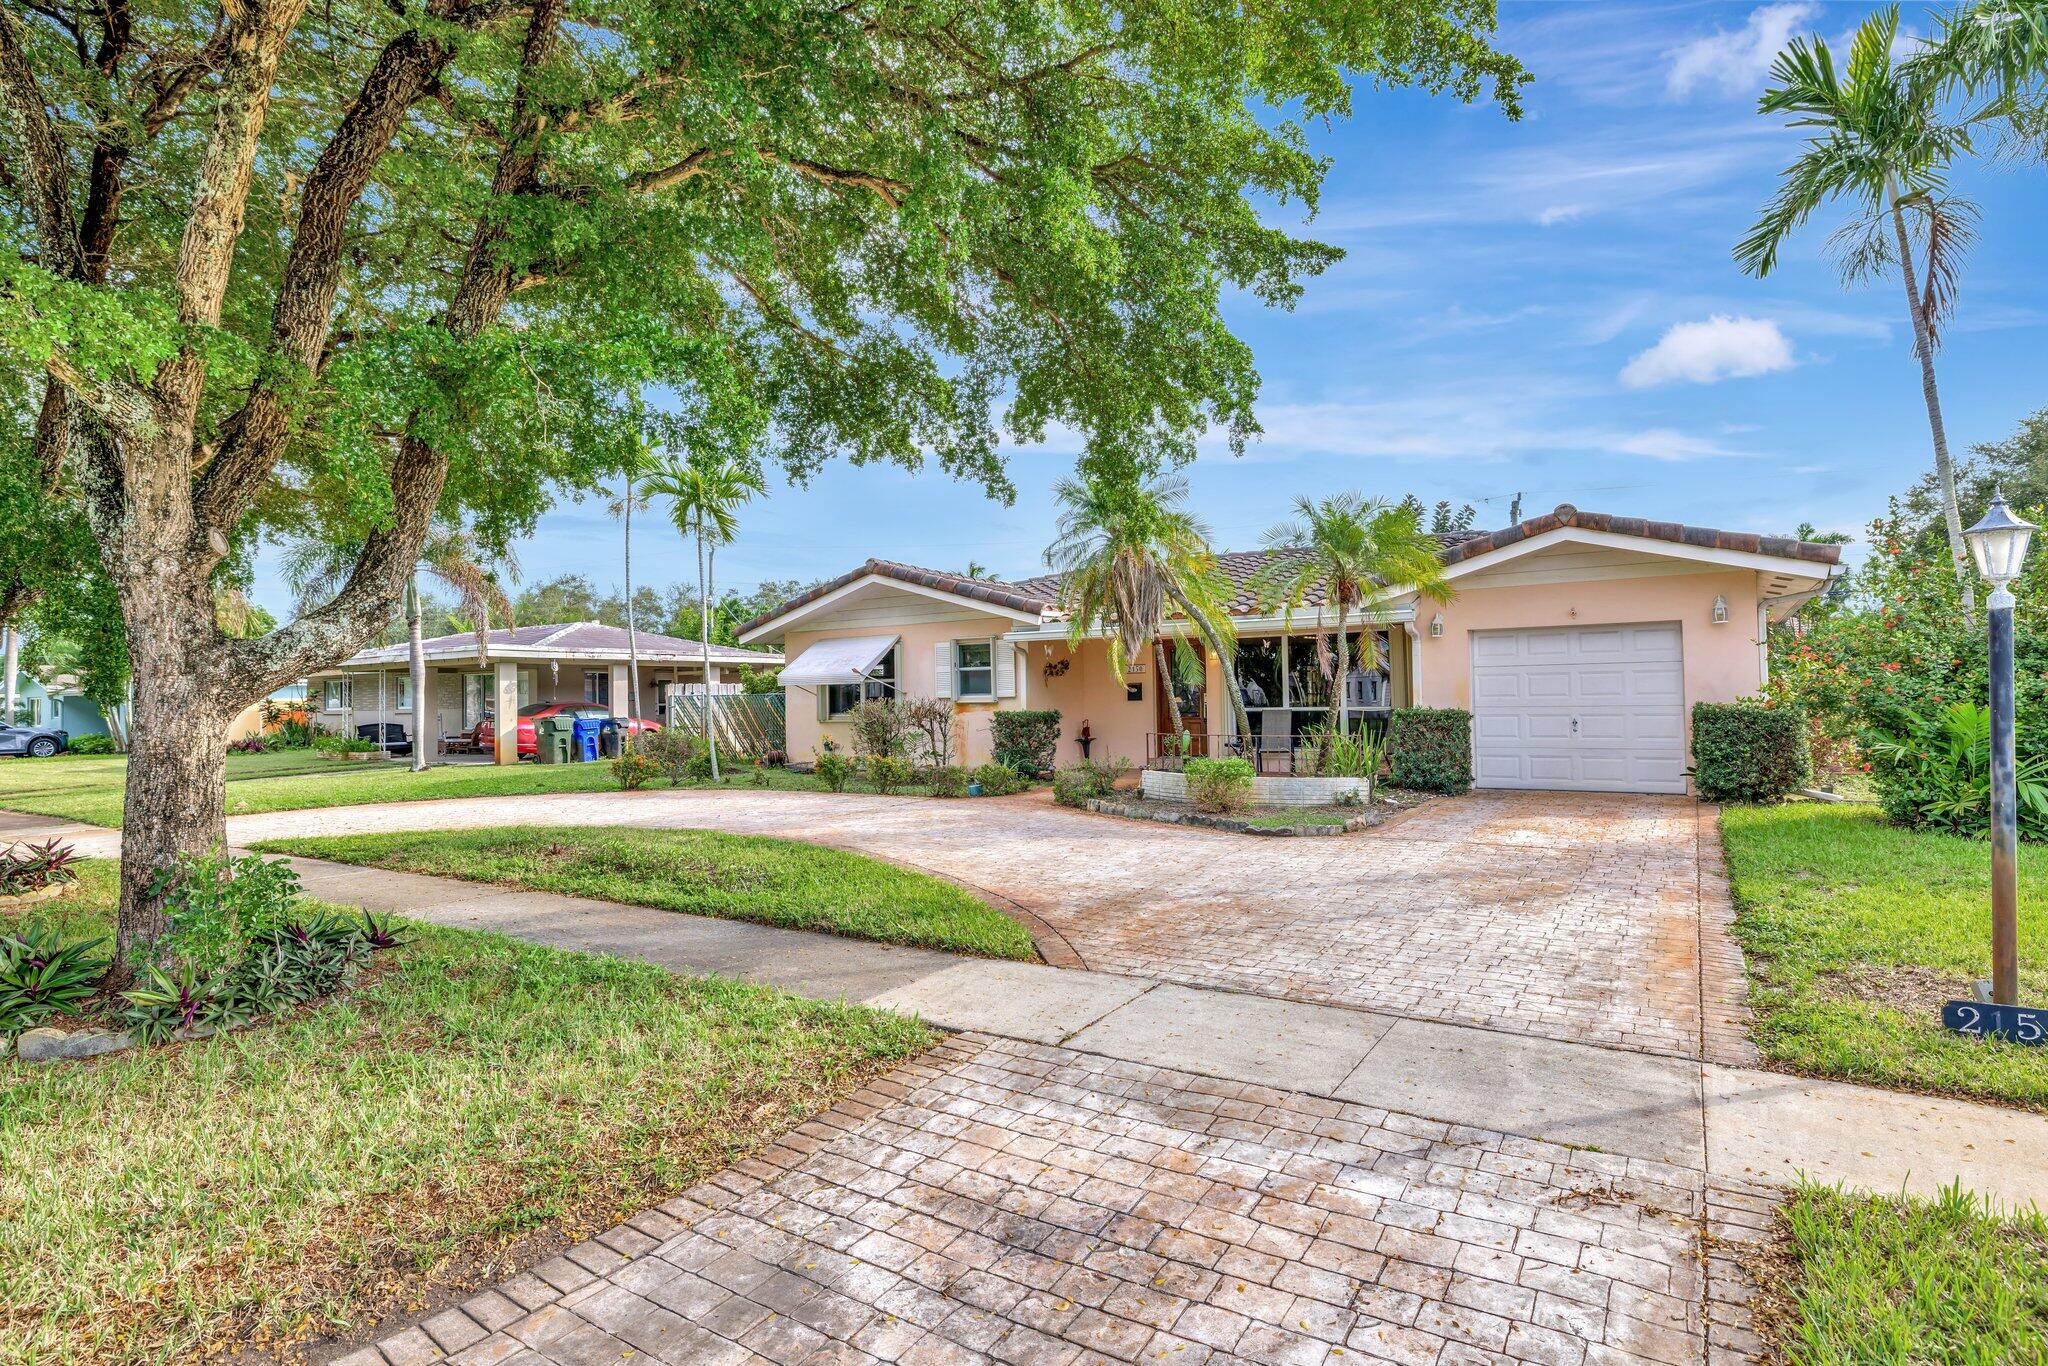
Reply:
x=847, y=660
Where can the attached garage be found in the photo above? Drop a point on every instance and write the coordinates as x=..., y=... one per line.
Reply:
x=1580, y=708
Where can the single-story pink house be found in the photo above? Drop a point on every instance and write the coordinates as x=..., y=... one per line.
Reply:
x=1578, y=641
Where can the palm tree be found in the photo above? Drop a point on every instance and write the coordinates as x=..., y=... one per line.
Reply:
x=622, y=507
x=1884, y=142
x=1349, y=550
x=316, y=570
x=1125, y=547
x=708, y=491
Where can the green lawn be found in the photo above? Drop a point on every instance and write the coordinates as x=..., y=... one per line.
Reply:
x=1856, y=931
x=293, y=1178
x=1879, y=1279
x=737, y=877
x=88, y=787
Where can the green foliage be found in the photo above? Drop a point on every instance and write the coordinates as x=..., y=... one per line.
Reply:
x=633, y=770
x=1430, y=749
x=330, y=742
x=947, y=780
x=889, y=773
x=1938, y=774
x=93, y=744
x=41, y=975
x=1749, y=752
x=1025, y=740
x=1353, y=755
x=881, y=727
x=1074, y=786
x=758, y=682
x=31, y=867
x=671, y=750
x=168, y=1001
x=218, y=903
x=1220, y=785
x=833, y=769
x=998, y=779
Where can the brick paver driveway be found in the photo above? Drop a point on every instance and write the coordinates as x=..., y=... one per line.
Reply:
x=1000, y=1202
x=1573, y=917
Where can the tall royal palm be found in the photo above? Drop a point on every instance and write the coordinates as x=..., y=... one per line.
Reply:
x=1883, y=141
x=707, y=492
x=317, y=570
x=1348, y=550
x=1125, y=547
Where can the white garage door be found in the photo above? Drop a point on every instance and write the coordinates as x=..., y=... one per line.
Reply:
x=1592, y=708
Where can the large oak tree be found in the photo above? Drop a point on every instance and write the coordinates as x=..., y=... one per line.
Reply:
x=357, y=268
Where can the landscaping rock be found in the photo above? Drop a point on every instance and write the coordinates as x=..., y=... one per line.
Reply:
x=54, y=1045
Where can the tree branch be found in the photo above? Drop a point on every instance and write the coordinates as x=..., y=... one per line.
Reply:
x=49, y=167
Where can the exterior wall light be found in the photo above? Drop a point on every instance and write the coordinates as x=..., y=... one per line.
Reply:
x=1720, y=610
x=1436, y=625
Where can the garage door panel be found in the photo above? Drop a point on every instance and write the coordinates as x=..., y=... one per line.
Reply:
x=1587, y=708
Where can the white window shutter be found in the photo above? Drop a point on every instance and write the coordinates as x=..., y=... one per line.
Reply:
x=1006, y=668
x=942, y=669
x=824, y=702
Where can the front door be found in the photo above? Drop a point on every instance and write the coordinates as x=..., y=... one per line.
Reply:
x=1191, y=692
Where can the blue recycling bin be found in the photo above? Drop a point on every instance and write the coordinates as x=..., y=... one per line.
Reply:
x=587, y=729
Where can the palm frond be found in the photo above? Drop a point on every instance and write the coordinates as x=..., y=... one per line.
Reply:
x=1950, y=226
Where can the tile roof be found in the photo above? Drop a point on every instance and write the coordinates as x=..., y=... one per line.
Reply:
x=1042, y=592
x=1029, y=596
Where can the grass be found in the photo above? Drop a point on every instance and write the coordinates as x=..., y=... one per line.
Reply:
x=1885, y=1279
x=88, y=788
x=476, y=1098
x=736, y=877
x=1308, y=815
x=1856, y=931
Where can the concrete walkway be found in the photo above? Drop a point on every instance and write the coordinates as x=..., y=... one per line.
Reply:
x=1729, y=1122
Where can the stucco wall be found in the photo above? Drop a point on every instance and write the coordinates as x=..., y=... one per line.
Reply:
x=1087, y=693
x=1721, y=662
x=917, y=678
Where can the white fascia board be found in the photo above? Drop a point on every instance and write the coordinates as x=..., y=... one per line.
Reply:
x=788, y=620
x=1641, y=545
x=1305, y=622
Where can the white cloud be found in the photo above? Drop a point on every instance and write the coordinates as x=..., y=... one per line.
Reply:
x=1735, y=61
x=1707, y=352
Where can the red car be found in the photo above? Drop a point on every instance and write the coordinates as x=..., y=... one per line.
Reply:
x=529, y=737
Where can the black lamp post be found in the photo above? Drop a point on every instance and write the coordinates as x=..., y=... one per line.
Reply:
x=1998, y=544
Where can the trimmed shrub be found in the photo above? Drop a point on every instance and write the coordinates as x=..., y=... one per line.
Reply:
x=833, y=769
x=998, y=779
x=632, y=770
x=93, y=744
x=1025, y=740
x=948, y=780
x=1219, y=784
x=888, y=773
x=1749, y=752
x=1074, y=786
x=1430, y=749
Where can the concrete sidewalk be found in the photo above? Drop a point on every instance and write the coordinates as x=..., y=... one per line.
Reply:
x=1733, y=1122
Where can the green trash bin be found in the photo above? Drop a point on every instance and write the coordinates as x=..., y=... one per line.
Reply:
x=551, y=739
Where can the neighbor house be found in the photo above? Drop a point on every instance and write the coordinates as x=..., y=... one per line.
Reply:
x=57, y=700
x=1578, y=640
x=584, y=661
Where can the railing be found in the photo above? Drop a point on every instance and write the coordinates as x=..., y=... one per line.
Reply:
x=1276, y=756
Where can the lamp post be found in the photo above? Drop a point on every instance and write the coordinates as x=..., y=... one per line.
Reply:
x=1998, y=544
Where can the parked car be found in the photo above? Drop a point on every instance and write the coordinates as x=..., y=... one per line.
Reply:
x=39, y=741
x=529, y=736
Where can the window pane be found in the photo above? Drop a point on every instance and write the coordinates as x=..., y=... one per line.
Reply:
x=1258, y=671
x=974, y=654
x=977, y=683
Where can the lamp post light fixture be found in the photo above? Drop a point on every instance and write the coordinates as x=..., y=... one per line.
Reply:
x=1998, y=544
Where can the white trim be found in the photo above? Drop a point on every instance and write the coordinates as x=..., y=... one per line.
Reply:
x=1308, y=621
x=776, y=625
x=1643, y=545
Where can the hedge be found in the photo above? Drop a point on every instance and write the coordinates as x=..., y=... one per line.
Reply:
x=1430, y=749
x=1025, y=740
x=1749, y=752
x=1219, y=784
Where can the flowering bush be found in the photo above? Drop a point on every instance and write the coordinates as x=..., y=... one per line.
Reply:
x=1880, y=670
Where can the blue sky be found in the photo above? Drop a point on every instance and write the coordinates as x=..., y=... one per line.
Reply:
x=1547, y=306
